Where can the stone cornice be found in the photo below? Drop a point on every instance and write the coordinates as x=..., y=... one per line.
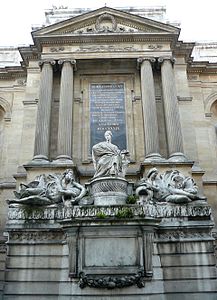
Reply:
x=29, y=53
x=202, y=67
x=12, y=72
x=104, y=37
x=184, y=49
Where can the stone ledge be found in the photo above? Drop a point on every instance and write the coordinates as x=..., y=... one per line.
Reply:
x=121, y=212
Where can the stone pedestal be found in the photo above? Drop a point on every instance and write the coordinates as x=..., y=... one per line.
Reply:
x=109, y=190
x=163, y=250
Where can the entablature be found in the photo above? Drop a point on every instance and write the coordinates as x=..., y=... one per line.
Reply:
x=202, y=67
x=12, y=72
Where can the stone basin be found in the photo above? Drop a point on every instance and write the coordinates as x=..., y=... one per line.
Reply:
x=109, y=190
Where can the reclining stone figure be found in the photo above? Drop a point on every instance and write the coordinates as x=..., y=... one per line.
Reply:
x=171, y=186
x=51, y=189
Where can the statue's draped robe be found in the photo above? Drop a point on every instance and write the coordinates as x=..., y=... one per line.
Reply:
x=107, y=158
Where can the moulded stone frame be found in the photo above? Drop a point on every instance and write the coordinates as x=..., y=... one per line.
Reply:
x=128, y=81
x=141, y=236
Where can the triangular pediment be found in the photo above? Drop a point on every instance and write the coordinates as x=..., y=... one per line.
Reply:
x=105, y=21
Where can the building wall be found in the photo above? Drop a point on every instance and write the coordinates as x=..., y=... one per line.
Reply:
x=196, y=93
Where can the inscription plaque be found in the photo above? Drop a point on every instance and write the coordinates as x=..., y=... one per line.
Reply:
x=107, y=112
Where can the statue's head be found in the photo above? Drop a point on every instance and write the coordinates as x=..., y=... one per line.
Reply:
x=177, y=178
x=108, y=135
x=152, y=173
x=68, y=175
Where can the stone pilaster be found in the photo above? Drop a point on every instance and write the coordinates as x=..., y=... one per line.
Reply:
x=42, y=134
x=172, y=119
x=64, y=145
x=149, y=109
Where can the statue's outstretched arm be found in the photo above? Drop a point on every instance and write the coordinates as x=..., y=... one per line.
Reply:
x=82, y=189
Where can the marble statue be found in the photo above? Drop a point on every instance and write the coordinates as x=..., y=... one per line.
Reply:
x=65, y=189
x=171, y=186
x=51, y=189
x=108, y=159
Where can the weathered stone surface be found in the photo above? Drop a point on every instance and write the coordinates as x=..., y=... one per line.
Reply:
x=173, y=273
x=186, y=247
x=45, y=262
x=183, y=244
x=109, y=190
x=154, y=211
x=125, y=249
x=194, y=259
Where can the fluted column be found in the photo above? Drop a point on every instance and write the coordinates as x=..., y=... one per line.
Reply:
x=149, y=109
x=64, y=144
x=173, y=125
x=42, y=134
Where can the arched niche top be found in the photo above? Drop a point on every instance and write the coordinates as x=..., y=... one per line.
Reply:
x=213, y=109
x=209, y=103
x=4, y=104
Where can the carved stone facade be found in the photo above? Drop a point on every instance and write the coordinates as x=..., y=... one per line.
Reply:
x=109, y=70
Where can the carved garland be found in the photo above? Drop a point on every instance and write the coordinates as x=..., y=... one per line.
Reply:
x=111, y=282
x=106, y=17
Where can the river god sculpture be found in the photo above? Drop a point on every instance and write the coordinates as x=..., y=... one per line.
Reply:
x=50, y=189
x=171, y=186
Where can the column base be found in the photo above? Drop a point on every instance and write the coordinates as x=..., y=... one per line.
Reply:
x=63, y=159
x=178, y=157
x=154, y=157
x=40, y=159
